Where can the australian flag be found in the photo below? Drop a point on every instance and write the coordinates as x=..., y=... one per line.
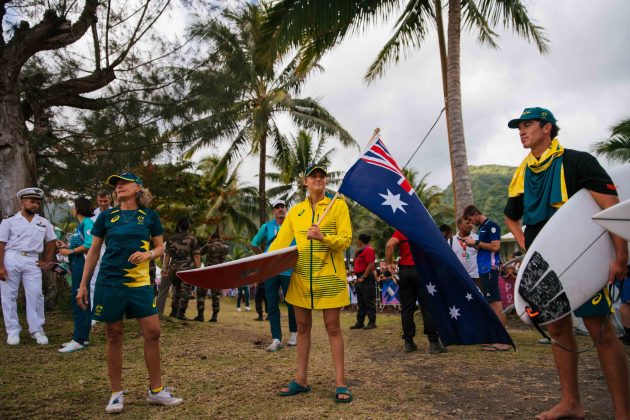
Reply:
x=462, y=314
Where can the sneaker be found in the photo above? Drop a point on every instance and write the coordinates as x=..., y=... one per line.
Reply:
x=292, y=339
x=370, y=326
x=13, y=340
x=71, y=347
x=357, y=327
x=410, y=346
x=40, y=337
x=213, y=319
x=544, y=341
x=164, y=397
x=247, y=308
x=238, y=310
x=85, y=343
x=116, y=402
x=94, y=322
x=275, y=345
x=259, y=318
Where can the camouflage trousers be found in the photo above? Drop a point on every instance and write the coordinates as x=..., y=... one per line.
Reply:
x=201, y=299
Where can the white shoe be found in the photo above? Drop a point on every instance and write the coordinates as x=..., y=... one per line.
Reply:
x=72, y=346
x=116, y=402
x=13, y=340
x=85, y=343
x=164, y=397
x=40, y=337
x=247, y=308
x=238, y=310
x=292, y=340
x=275, y=345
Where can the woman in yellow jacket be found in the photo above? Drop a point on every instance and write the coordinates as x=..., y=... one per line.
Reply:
x=319, y=277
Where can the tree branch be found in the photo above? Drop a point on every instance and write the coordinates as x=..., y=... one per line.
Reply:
x=53, y=32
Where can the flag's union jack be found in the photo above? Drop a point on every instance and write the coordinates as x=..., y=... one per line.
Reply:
x=378, y=155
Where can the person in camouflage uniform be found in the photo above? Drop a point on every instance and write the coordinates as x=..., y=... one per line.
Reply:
x=216, y=251
x=181, y=252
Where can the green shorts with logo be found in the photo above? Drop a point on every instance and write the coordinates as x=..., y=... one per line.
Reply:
x=597, y=305
x=112, y=303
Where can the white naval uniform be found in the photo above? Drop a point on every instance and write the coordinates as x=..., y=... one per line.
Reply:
x=97, y=211
x=24, y=241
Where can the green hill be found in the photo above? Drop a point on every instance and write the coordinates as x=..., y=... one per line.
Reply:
x=490, y=189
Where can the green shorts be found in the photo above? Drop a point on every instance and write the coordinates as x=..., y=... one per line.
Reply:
x=112, y=303
x=597, y=305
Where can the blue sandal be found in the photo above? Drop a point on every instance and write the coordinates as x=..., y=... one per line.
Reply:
x=342, y=390
x=293, y=388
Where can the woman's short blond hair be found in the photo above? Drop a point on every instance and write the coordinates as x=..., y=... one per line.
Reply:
x=143, y=197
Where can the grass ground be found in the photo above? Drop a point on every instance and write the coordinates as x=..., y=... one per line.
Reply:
x=223, y=371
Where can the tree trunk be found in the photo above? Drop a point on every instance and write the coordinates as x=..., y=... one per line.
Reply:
x=443, y=65
x=262, y=174
x=461, y=179
x=17, y=159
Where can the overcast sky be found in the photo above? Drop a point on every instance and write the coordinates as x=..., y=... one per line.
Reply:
x=584, y=81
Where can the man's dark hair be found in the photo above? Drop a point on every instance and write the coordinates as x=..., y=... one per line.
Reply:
x=103, y=193
x=554, y=128
x=365, y=238
x=471, y=211
x=445, y=228
x=183, y=225
x=83, y=207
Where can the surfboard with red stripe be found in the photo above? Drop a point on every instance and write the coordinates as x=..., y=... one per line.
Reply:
x=241, y=272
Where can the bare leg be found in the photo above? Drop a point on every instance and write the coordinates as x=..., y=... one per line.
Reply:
x=113, y=354
x=497, y=307
x=150, y=327
x=304, y=320
x=566, y=364
x=612, y=358
x=333, y=328
x=624, y=311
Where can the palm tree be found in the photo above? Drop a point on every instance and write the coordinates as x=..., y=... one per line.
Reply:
x=230, y=207
x=431, y=196
x=261, y=92
x=617, y=147
x=298, y=155
x=317, y=29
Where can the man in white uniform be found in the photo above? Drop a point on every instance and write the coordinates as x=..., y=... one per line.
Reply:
x=103, y=201
x=466, y=254
x=22, y=239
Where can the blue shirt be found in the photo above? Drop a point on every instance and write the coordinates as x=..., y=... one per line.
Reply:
x=82, y=234
x=487, y=260
x=266, y=235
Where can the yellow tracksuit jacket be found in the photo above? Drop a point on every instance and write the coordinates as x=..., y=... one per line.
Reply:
x=319, y=277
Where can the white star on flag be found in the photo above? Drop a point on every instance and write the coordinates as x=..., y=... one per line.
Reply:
x=469, y=297
x=394, y=201
x=454, y=312
x=431, y=289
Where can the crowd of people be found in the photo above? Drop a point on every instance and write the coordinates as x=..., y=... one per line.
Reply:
x=112, y=250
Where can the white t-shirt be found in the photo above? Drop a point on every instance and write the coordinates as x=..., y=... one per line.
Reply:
x=21, y=235
x=466, y=254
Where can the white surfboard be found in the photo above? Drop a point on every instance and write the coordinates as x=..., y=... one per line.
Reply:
x=568, y=262
x=616, y=219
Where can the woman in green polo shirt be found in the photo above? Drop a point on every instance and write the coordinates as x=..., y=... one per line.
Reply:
x=123, y=286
